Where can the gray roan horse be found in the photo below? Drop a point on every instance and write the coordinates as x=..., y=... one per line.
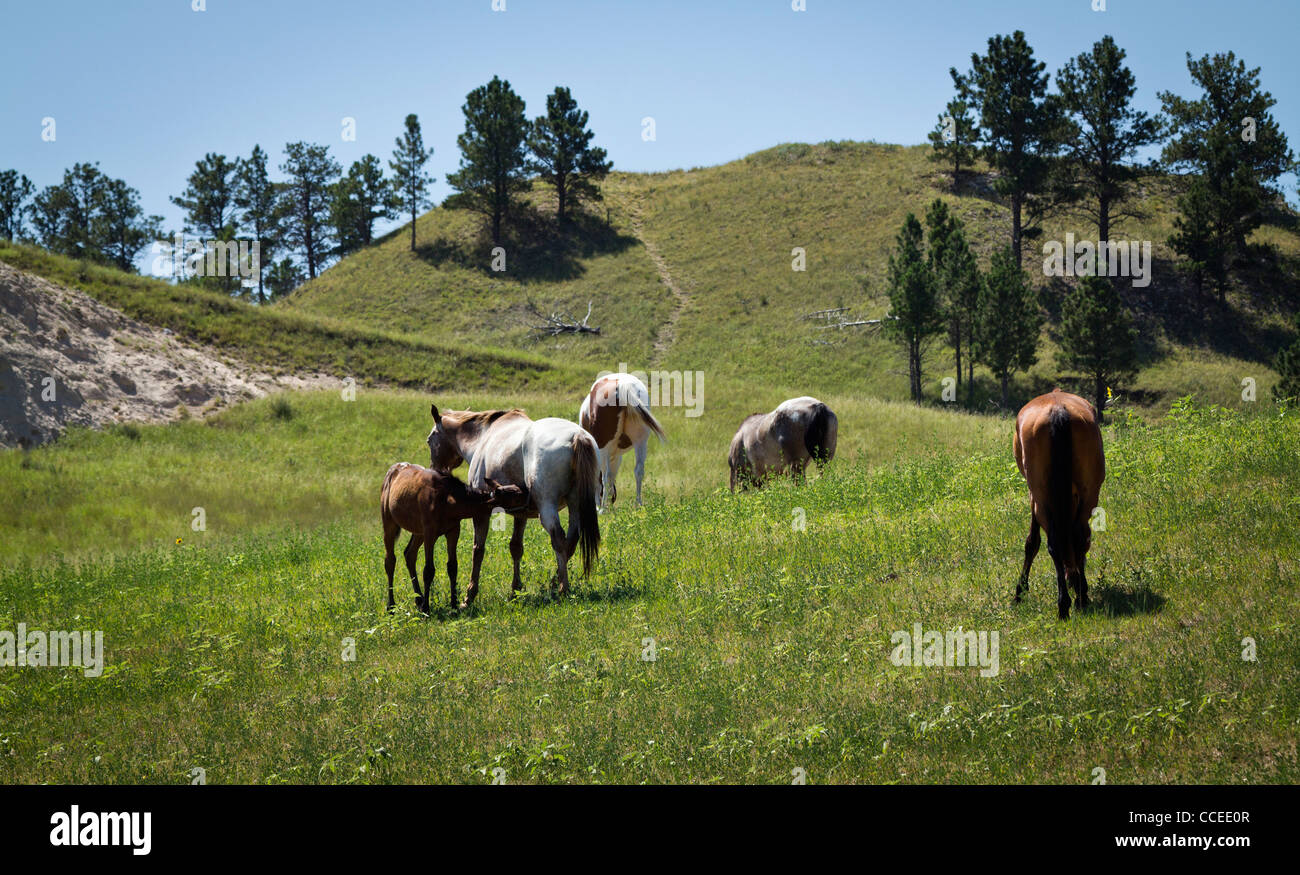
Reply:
x=768, y=444
x=553, y=459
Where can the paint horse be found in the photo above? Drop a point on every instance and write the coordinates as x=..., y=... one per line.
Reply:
x=430, y=505
x=1058, y=449
x=770, y=444
x=616, y=412
x=553, y=459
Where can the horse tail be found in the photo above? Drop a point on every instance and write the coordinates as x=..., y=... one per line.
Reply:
x=586, y=482
x=388, y=486
x=643, y=413
x=817, y=437
x=1060, y=485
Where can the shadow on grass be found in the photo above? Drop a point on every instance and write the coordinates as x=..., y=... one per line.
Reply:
x=537, y=247
x=1125, y=601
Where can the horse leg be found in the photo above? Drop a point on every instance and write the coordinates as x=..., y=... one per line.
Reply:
x=1062, y=586
x=409, y=554
x=1081, y=584
x=615, y=459
x=640, y=466
x=602, y=462
x=390, y=562
x=481, y=525
x=1032, y=544
x=450, y=539
x=550, y=519
x=428, y=570
x=517, y=551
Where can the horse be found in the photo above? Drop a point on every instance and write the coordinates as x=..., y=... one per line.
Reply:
x=553, y=459
x=616, y=412
x=430, y=504
x=768, y=444
x=1058, y=450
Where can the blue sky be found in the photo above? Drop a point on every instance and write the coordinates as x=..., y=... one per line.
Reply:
x=146, y=87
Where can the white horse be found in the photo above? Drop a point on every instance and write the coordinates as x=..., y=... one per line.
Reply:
x=769, y=444
x=553, y=459
x=617, y=414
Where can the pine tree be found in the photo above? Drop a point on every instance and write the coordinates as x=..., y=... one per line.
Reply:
x=914, y=314
x=1020, y=125
x=121, y=228
x=358, y=200
x=957, y=282
x=1229, y=138
x=410, y=183
x=493, y=157
x=1104, y=132
x=954, y=137
x=1287, y=364
x=258, y=199
x=15, y=190
x=1008, y=321
x=305, y=201
x=63, y=214
x=1097, y=336
x=563, y=154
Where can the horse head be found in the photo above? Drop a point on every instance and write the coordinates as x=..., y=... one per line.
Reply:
x=509, y=498
x=444, y=454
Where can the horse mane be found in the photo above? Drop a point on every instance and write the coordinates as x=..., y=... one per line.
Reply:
x=486, y=417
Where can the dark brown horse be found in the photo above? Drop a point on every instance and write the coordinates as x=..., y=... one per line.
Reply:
x=430, y=505
x=1058, y=450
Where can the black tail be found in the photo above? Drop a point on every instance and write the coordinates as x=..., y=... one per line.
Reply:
x=816, y=437
x=1060, y=486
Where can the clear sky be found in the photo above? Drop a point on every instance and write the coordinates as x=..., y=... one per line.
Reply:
x=146, y=87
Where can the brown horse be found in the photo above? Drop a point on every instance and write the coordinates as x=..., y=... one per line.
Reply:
x=430, y=505
x=1058, y=450
x=767, y=444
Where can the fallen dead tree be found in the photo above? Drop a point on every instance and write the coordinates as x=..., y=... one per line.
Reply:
x=559, y=322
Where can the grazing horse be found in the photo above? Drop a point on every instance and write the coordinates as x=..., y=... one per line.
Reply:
x=768, y=444
x=1058, y=450
x=430, y=505
x=617, y=414
x=553, y=459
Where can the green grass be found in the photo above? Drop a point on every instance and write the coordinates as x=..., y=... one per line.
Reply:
x=772, y=642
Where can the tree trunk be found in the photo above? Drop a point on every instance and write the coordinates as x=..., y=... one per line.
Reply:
x=496, y=227
x=1005, y=393
x=412, y=229
x=970, y=381
x=560, y=196
x=1103, y=222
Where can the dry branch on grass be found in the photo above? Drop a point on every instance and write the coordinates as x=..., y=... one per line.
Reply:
x=560, y=322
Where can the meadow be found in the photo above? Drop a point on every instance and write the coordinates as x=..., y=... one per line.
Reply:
x=721, y=638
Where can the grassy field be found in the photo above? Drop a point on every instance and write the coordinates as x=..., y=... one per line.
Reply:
x=771, y=638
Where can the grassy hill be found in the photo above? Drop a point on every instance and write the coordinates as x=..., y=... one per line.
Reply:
x=722, y=236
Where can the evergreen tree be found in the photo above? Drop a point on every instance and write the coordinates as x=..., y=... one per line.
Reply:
x=914, y=314
x=1008, y=321
x=1097, y=336
x=957, y=280
x=1020, y=125
x=358, y=200
x=1229, y=138
x=1287, y=364
x=563, y=154
x=410, y=182
x=258, y=199
x=121, y=228
x=954, y=137
x=15, y=190
x=493, y=159
x=1104, y=132
x=63, y=214
x=283, y=277
x=305, y=201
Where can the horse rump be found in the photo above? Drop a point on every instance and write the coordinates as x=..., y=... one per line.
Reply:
x=586, y=483
x=819, y=438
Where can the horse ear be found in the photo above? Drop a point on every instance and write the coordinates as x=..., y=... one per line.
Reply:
x=437, y=417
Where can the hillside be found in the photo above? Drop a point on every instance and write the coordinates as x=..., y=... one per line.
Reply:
x=722, y=236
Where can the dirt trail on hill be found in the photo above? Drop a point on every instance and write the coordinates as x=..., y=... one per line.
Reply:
x=668, y=331
x=66, y=359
